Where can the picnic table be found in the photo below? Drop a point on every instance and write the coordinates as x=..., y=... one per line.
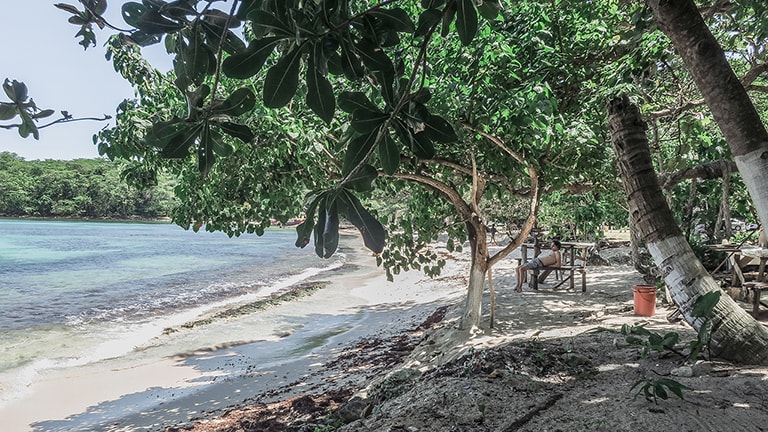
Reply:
x=574, y=258
x=739, y=257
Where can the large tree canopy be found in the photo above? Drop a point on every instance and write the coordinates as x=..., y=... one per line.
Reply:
x=409, y=118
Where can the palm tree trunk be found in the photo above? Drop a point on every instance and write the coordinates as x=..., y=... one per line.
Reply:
x=739, y=337
x=725, y=95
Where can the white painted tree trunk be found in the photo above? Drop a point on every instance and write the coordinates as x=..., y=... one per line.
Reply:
x=739, y=337
x=473, y=307
x=753, y=167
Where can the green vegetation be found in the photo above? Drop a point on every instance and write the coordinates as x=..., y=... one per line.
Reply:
x=461, y=112
x=650, y=341
x=82, y=188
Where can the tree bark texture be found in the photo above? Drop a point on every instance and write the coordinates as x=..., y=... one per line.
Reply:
x=739, y=337
x=725, y=95
x=478, y=267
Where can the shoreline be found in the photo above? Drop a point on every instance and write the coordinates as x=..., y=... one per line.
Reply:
x=294, y=336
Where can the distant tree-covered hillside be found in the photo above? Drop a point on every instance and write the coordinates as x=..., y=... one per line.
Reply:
x=88, y=188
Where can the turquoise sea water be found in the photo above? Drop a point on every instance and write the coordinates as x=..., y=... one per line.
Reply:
x=70, y=290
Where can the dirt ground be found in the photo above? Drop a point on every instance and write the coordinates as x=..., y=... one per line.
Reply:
x=540, y=368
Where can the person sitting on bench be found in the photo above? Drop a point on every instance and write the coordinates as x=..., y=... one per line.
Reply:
x=552, y=260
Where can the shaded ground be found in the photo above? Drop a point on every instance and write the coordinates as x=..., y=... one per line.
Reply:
x=538, y=369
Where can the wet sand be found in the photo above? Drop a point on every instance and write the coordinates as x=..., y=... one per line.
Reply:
x=289, y=342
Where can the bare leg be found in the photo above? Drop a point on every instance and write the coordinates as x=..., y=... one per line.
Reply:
x=520, y=277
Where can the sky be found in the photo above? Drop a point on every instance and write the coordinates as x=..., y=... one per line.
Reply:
x=38, y=47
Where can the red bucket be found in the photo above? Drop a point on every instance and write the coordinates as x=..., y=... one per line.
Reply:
x=645, y=300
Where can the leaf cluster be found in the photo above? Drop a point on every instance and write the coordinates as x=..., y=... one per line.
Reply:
x=21, y=105
x=654, y=389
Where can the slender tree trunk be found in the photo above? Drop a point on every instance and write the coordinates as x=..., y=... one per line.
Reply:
x=739, y=337
x=729, y=102
x=477, y=270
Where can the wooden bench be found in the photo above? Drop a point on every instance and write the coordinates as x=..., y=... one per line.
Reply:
x=567, y=269
x=540, y=274
x=755, y=289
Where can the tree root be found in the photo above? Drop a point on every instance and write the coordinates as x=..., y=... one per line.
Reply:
x=517, y=424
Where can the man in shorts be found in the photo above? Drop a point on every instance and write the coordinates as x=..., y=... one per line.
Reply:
x=551, y=260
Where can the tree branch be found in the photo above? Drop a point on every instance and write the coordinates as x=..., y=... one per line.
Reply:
x=708, y=170
x=448, y=192
x=747, y=80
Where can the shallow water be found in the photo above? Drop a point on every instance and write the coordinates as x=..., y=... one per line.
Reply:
x=73, y=293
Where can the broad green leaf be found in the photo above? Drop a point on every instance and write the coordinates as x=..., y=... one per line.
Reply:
x=162, y=133
x=197, y=59
x=205, y=152
x=676, y=387
x=319, y=227
x=100, y=6
x=334, y=64
x=374, y=57
x=362, y=179
x=423, y=95
x=241, y=101
x=241, y=132
x=396, y=18
x=426, y=4
x=232, y=44
x=178, y=9
x=374, y=235
x=365, y=121
x=27, y=125
x=331, y=230
x=670, y=339
x=151, y=22
x=403, y=133
x=357, y=150
x=220, y=18
x=422, y=146
x=246, y=6
x=466, y=20
x=448, y=17
x=178, y=147
x=265, y=22
x=7, y=111
x=704, y=304
x=386, y=80
x=352, y=101
x=43, y=114
x=218, y=144
x=489, y=9
x=438, y=129
x=67, y=7
x=282, y=79
x=428, y=19
x=250, y=61
x=144, y=39
x=132, y=11
x=320, y=97
x=15, y=90
x=350, y=62
x=389, y=154
x=327, y=228
x=304, y=229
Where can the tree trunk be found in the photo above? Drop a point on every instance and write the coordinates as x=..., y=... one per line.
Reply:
x=478, y=267
x=739, y=337
x=725, y=95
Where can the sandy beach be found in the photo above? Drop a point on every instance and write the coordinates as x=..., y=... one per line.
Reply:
x=392, y=355
x=290, y=342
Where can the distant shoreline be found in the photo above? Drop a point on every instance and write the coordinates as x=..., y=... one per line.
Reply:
x=136, y=219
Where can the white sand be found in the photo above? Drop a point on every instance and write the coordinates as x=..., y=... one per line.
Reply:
x=142, y=393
